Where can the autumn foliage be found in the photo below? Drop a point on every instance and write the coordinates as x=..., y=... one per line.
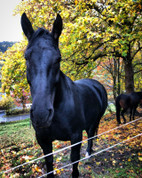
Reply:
x=95, y=31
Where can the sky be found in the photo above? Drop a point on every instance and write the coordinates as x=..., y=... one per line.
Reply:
x=10, y=27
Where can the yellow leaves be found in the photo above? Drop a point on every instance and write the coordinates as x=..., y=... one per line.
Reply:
x=93, y=1
x=98, y=163
x=88, y=167
x=129, y=159
x=58, y=171
x=36, y=168
x=80, y=163
x=116, y=41
x=79, y=41
x=139, y=154
x=14, y=153
x=76, y=2
x=131, y=171
x=140, y=158
x=26, y=158
x=14, y=71
x=113, y=162
x=59, y=159
x=97, y=140
x=83, y=24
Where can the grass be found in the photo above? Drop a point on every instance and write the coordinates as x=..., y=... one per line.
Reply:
x=16, y=132
x=17, y=139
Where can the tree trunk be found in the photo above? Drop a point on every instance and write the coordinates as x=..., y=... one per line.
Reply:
x=118, y=77
x=114, y=78
x=114, y=87
x=129, y=76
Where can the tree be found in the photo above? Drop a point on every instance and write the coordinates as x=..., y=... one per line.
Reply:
x=94, y=28
x=115, y=68
x=137, y=66
x=14, y=80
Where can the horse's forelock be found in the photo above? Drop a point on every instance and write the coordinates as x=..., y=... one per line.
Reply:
x=38, y=33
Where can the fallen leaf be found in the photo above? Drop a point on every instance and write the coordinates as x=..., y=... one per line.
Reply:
x=38, y=169
x=140, y=158
x=97, y=163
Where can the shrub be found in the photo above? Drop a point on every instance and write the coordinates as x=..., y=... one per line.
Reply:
x=17, y=111
x=6, y=103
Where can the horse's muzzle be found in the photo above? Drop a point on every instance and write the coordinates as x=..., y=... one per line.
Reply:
x=42, y=118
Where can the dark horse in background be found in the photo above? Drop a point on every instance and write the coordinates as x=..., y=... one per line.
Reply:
x=61, y=109
x=127, y=101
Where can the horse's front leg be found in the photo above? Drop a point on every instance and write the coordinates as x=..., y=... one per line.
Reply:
x=122, y=113
x=47, y=148
x=75, y=154
x=134, y=111
x=118, y=109
x=131, y=112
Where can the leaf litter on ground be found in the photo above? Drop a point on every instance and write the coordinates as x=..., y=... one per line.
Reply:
x=126, y=156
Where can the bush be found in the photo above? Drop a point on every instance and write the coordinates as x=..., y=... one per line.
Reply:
x=6, y=103
x=17, y=111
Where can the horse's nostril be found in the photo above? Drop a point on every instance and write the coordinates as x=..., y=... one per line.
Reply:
x=41, y=117
x=50, y=112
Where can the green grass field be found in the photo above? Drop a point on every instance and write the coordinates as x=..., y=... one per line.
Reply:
x=16, y=132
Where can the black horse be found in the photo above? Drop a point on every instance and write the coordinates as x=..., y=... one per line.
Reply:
x=127, y=101
x=61, y=109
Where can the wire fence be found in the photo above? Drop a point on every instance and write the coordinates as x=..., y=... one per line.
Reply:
x=94, y=154
x=70, y=146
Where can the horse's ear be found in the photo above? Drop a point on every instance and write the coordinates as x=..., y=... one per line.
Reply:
x=26, y=26
x=57, y=27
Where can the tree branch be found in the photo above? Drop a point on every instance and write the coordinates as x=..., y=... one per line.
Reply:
x=136, y=52
x=137, y=72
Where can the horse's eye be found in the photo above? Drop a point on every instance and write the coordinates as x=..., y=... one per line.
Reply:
x=56, y=63
x=26, y=57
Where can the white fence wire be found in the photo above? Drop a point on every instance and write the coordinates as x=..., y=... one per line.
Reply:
x=94, y=154
x=62, y=149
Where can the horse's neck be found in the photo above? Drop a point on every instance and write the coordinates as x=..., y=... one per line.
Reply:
x=64, y=88
x=65, y=81
x=140, y=94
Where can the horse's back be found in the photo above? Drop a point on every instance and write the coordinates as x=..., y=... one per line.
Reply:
x=135, y=98
x=128, y=100
x=123, y=100
x=93, y=98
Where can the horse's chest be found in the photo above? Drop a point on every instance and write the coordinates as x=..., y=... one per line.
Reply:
x=60, y=133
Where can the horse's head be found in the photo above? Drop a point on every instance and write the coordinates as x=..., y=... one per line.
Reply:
x=43, y=69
